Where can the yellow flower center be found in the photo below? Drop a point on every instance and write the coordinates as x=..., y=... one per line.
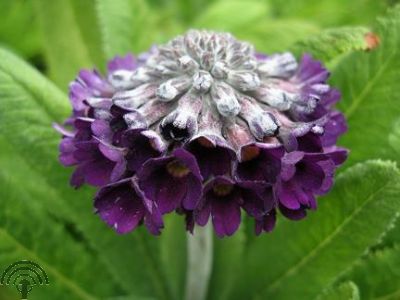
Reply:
x=177, y=169
x=205, y=142
x=223, y=189
x=250, y=152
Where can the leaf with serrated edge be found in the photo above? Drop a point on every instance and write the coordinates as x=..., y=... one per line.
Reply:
x=369, y=85
x=29, y=104
x=330, y=13
x=346, y=291
x=25, y=235
x=378, y=274
x=301, y=259
x=332, y=43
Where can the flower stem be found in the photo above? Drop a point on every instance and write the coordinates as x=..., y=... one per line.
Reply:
x=200, y=257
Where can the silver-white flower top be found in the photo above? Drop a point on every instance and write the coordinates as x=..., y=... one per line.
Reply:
x=206, y=76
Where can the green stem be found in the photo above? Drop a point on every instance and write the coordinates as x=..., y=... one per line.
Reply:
x=200, y=256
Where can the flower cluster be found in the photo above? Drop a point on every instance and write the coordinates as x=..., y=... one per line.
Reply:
x=206, y=127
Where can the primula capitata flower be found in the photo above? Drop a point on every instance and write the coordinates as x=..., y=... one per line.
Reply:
x=207, y=127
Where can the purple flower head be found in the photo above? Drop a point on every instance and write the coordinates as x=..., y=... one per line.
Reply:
x=205, y=126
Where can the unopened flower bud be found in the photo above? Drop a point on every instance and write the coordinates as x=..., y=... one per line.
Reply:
x=170, y=89
x=121, y=79
x=225, y=99
x=278, y=65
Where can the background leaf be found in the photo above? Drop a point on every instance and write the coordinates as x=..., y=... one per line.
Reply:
x=126, y=26
x=66, y=266
x=173, y=253
x=220, y=14
x=19, y=28
x=32, y=105
x=347, y=290
x=369, y=85
x=331, y=43
x=67, y=51
x=277, y=35
x=330, y=13
x=378, y=275
x=228, y=253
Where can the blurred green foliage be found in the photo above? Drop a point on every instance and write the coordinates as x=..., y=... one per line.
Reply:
x=349, y=249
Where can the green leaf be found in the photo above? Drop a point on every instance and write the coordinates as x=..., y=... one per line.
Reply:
x=332, y=43
x=126, y=26
x=391, y=238
x=378, y=275
x=173, y=253
x=369, y=85
x=299, y=260
x=394, y=137
x=129, y=298
x=29, y=104
x=69, y=45
x=345, y=291
x=8, y=294
x=330, y=13
x=393, y=235
x=276, y=35
x=25, y=235
x=16, y=16
x=15, y=74
x=231, y=15
x=86, y=17
x=226, y=264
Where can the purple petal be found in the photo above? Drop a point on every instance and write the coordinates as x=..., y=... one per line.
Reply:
x=257, y=200
x=120, y=206
x=225, y=206
x=127, y=62
x=288, y=164
x=311, y=71
x=168, y=191
x=186, y=158
x=97, y=173
x=335, y=127
x=266, y=223
x=203, y=214
x=294, y=215
x=213, y=157
x=263, y=166
x=310, y=174
x=141, y=145
x=112, y=153
x=193, y=194
x=101, y=129
x=226, y=217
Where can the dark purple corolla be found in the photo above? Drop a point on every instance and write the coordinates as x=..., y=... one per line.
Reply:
x=207, y=127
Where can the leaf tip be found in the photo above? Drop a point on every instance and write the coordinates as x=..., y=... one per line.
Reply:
x=372, y=41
